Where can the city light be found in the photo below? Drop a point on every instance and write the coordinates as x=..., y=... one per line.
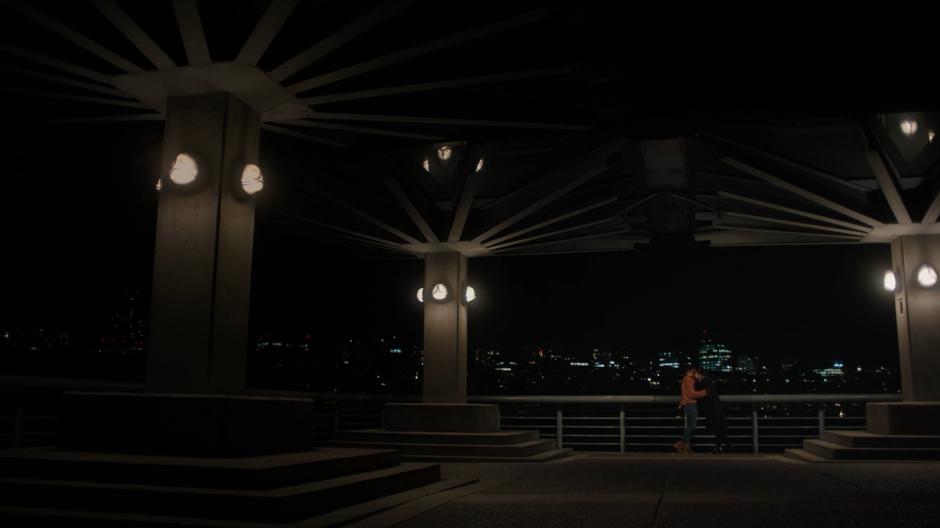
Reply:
x=420, y=295
x=470, y=294
x=252, y=180
x=439, y=292
x=890, y=281
x=184, y=170
x=908, y=127
x=926, y=276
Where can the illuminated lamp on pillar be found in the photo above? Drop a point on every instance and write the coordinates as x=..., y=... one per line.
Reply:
x=184, y=170
x=890, y=281
x=252, y=180
x=926, y=276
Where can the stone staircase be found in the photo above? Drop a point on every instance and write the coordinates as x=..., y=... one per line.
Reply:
x=425, y=446
x=327, y=487
x=895, y=431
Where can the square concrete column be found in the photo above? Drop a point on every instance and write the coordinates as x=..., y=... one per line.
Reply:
x=202, y=261
x=445, y=329
x=918, y=316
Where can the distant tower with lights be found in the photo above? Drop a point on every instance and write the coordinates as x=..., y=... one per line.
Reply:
x=714, y=357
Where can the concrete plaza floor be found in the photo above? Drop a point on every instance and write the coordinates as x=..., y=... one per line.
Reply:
x=601, y=490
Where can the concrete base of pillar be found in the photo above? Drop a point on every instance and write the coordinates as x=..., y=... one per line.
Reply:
x=199, y=425
x=904, y=418
x=442, y=417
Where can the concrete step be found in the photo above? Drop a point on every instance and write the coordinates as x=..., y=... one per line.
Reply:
x=834, y=451
x=803, y=456
x=523, y=449
x=866, y=439
x=256, y=472
x=546, y=456
x=424, y=437
x=28, y=517
x=278, y=505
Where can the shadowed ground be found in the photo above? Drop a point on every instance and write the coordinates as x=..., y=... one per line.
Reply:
x=700, y=491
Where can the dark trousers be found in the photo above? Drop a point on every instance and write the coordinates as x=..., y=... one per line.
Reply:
x=716, y=423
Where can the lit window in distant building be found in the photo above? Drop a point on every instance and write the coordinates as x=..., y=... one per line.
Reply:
x=714, y=357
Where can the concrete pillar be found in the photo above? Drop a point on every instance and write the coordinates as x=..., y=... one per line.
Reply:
x=202, y=261
x=918, y=316
x=445, y=329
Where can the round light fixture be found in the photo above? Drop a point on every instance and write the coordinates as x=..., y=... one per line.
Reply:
x=252, y=179
x=930, y=136
x=890, y=281
x=470, y=294
x=926, y=276
x=480, y=165
x=159, y=183
x=420, y=295
x=184, y=170
x=426, y=165
x=444, y=153
x=908, y=127
x=439, y=292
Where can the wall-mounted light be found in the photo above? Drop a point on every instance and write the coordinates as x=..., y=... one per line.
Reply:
x=159, y=184
x=184, y=170
x=480, y=165
x=252, y=179
x=930, y=136
x=426, y=165
x=926, y=276
x=890, y=281
x=439, y=292
x=444, y=152
x=469, y=294
x=908, y=127
x=420, y=295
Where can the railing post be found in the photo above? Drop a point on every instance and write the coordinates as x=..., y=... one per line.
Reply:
x=623, y=431
x=559, y=427
x=336, y=422
x=18, y=428
x=754, y=431
x=822, y=420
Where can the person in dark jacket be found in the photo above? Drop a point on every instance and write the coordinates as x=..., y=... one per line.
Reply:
x=714, y=412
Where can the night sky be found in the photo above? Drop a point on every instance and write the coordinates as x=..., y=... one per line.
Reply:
x=79, y=231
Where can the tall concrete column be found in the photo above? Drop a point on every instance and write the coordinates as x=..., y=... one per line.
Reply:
x=202, y=262
x=445, y=329
x=918, y=316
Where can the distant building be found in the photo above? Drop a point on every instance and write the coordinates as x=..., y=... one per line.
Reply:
x=835, y=371
x=747, y=364
x=714, y=357
x=670, y=359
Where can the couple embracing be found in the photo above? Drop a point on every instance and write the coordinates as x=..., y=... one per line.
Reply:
x=699, y=388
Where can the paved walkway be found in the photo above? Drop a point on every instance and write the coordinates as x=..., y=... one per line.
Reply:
x=692, y=492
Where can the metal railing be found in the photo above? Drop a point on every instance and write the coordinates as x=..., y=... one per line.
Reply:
x=756, y=422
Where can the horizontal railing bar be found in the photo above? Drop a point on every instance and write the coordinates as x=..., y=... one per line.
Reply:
x=730, y=398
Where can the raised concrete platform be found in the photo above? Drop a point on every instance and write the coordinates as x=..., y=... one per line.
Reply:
x=442, y=417
x=903, y=418
x=201, y=425
x=43, y=484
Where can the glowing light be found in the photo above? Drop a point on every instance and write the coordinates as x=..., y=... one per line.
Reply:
x=184, y=170
x=470, y=294
x=930, y=136
x=439, y=292
x=427, y=165
x=159, y=184
x=926, y=276
x=908, y=127
x=890, y=281
x=444, y=153
x=480, y=165
x=252, y=179
x=421, y=295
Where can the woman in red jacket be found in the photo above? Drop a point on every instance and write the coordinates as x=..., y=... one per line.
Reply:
x=688, y=402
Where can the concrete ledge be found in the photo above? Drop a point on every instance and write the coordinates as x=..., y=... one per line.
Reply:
x=903, y=418
x=199, y=425
x=442, y=417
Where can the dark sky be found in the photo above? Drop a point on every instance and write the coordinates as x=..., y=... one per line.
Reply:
x=78, y=230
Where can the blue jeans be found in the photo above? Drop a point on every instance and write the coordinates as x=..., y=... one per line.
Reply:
x=691, y=420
